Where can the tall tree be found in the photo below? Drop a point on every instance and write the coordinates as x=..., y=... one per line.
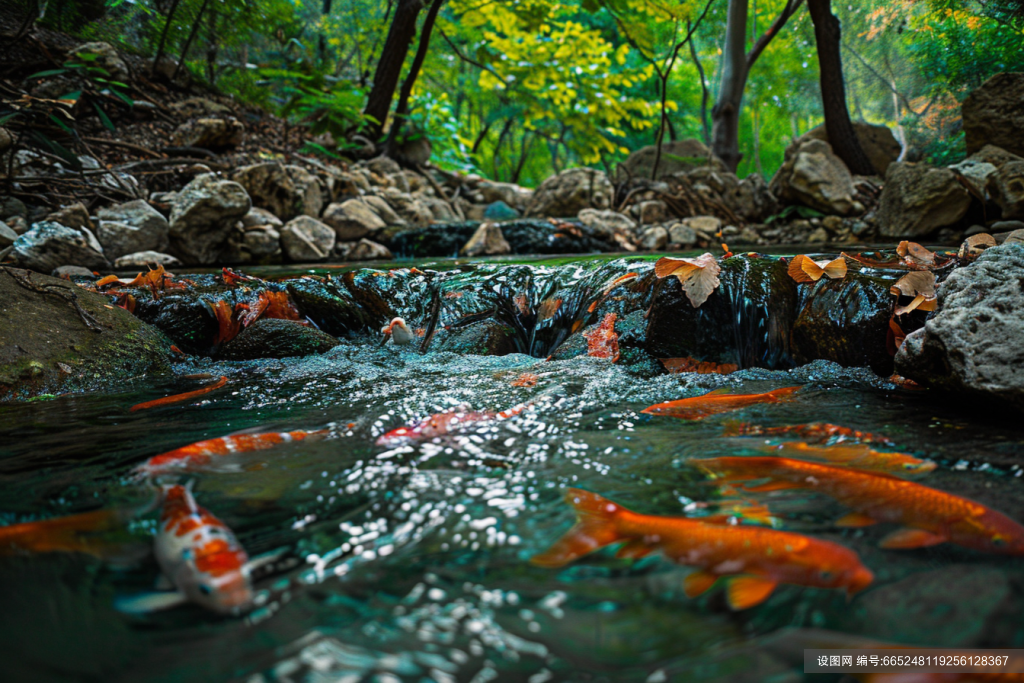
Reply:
x=389, y=68
x=736, y=66
x=402, y=109
x=838, y=127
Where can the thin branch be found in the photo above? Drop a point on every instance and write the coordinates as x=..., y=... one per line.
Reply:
x=788, y=11
x=468, y=60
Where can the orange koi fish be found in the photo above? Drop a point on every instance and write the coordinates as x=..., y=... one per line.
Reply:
x=205, y=454
x=442, y=424
x=602, y=341
x=928, y=516
x=853, y=455
x=718, y=401
x=178, y=398
x=81, y=533
x=200, y=556
x=758, y=559
x=821, y=432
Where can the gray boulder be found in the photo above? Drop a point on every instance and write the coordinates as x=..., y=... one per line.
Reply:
x=993, y=114
x=972, y=344
x=74, y=216
x=1006, y=185
x=307, y=239
x=132, y=227
x=352, y=220
x=284, y=191
x=918, y=199
x=104, y=56
x=486, y=241
x=879, y=144
x=142, y=259
x=814, y=176
x=203, y=215
x=654, y=239
x=606, y=223
x=363, y=250
x=571, y=191
x=679, y=156
x=7, y=235
x=209, y=133
x=49, y=245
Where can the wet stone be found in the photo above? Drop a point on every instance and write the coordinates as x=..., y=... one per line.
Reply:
x=273, y=338
x=329, y=305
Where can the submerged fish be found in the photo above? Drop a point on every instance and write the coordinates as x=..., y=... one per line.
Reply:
x=199, y=556
x=441, y=424
x=399, y=332
x=756, y=559
x=928, y=516
x=602, y=341
x=816, y=431
x=86, y=532
x=208, y=453
x=718, y=401
x=853, y=455
x=178, y=398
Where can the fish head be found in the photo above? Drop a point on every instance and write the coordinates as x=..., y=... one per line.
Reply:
x=218, y=582
x=990, y=532
x=398, y=437
x=857, y=579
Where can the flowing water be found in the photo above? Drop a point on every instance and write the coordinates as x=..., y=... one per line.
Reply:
x=412, y=564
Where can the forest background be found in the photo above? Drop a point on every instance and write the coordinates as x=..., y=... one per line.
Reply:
x=517, y=90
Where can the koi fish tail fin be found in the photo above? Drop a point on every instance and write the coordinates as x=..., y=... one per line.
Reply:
x=87, y=532
x=595, y=528
x=784, y=393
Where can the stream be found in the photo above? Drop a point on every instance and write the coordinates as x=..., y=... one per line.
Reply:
x=411, y=563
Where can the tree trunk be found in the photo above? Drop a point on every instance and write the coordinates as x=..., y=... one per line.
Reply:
x=389, y=68
x=163, y=35
x=838, y=126
x=725, y=116
x=402, y=109
x=188, y=42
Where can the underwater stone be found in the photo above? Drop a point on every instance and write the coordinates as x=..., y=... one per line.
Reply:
x=330, y=306
x=274, y=338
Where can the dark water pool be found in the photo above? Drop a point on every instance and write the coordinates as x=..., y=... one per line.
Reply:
x=411, y=564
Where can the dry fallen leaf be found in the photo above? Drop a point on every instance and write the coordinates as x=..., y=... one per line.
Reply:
x=894, y=338
x=698, y=276
x=975, y=244
x=804, y=269
x=920, y=285
x=914, y=254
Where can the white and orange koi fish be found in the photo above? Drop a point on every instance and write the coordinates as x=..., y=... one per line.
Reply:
x=441, y=424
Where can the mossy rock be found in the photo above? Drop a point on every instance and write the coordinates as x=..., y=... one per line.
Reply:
x=486, y=338
x=746, y=320
x=275, y=338
x=439, y=239
x=47, y=348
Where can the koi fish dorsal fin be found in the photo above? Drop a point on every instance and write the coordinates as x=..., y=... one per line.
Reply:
x=747, y=591
x=911, y=538
x=698, y=582
x=594, y=529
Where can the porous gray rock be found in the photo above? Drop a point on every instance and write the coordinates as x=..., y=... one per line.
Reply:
x=972, y=344
x=352, y=219
x=654, y=239
x=7, y=235
x=1006, y=185
x=569, y=192
x=203, y=215
x=682, y=234
x=261, y=217
x=919, y=198
x=307, y=239
x=993, y=114
x=363, y=250
x=49, y=245
x=606, y=223
x=74, y=216
x=814, y=176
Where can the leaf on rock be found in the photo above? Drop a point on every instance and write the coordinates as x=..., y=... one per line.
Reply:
x=975, y=244
x=698, y=276
x=894, y=338
x=603, y=341
x=804, y=269
x=914, y=254
x=920, y=285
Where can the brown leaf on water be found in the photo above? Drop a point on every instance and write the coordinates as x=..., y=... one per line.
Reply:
x=527, y=379
x=698, y=276
x=921, y=286
x=804, y=269
x=975, y=244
